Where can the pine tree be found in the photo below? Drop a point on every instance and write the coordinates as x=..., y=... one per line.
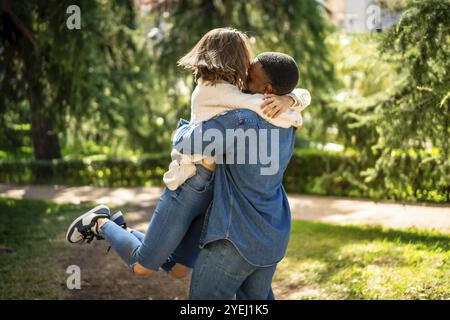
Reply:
x=403, y=134
x=51, y=74
x=297, y=27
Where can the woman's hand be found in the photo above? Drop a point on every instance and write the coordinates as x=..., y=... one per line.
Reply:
x=274, y=105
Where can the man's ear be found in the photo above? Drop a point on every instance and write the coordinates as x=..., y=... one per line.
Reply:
x=268, y=88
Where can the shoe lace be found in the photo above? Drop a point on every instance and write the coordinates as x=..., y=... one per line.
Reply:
x=88, y=234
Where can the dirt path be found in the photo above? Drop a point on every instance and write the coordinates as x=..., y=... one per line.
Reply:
x=325, y=209
x=105, y=276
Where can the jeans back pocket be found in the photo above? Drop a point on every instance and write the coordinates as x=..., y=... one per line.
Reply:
x=200, y=181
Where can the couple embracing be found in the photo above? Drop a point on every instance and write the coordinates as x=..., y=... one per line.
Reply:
x=224, y=212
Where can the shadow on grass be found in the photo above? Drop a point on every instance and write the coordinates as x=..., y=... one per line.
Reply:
x=31, y=242
x=22, y=222
x=345, y=234
x=350, y=261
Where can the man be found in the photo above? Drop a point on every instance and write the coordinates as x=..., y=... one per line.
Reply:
x=248, y=223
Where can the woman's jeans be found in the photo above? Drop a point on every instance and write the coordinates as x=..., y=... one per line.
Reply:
x=174, y=230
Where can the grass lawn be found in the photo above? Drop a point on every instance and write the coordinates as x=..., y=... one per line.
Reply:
x=31, y=242
x=324, y=261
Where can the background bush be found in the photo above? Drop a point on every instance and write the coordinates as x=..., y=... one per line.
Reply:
x=310, y=171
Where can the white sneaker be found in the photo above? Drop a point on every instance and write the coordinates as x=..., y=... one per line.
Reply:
x=84, y=228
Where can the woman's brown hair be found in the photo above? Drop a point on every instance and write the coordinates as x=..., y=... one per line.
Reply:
x=221, y=54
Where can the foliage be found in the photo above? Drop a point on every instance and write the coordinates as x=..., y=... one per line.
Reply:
x=108, y=91
x=298, y=28
x=110, y=85
x=405, y=114
x=309, y=171
x=110, y=172
x=295, y=27
x=85, y=84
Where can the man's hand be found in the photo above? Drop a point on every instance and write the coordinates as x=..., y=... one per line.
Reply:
x=274, y=105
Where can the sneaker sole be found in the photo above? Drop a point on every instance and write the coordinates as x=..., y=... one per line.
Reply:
x=102, y=206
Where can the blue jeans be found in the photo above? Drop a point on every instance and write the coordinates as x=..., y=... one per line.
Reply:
x=187, y=251
x=174, y=230
x=221, y=273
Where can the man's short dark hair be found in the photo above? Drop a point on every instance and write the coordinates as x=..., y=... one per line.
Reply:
x=281, y=70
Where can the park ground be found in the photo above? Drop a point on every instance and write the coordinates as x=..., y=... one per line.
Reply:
x=340, y=248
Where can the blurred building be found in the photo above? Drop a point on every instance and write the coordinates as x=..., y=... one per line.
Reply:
x=362, y=15
x=147, y=6
x=350, y=15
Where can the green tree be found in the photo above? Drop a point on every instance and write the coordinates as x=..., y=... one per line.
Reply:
x=403, y=132
x=297, y=27
x=107, y=85
x=52, y=76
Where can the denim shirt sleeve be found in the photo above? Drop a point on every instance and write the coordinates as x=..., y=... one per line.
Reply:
x=182, y=122
x=195, y=138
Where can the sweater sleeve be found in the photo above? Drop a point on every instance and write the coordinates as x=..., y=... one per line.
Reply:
x=302, y=99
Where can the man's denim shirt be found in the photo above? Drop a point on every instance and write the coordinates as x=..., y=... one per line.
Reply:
x=250, y=208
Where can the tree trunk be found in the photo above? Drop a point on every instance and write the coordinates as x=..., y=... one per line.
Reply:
x=45, y=138
x=43, y=130
x=45, y=142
